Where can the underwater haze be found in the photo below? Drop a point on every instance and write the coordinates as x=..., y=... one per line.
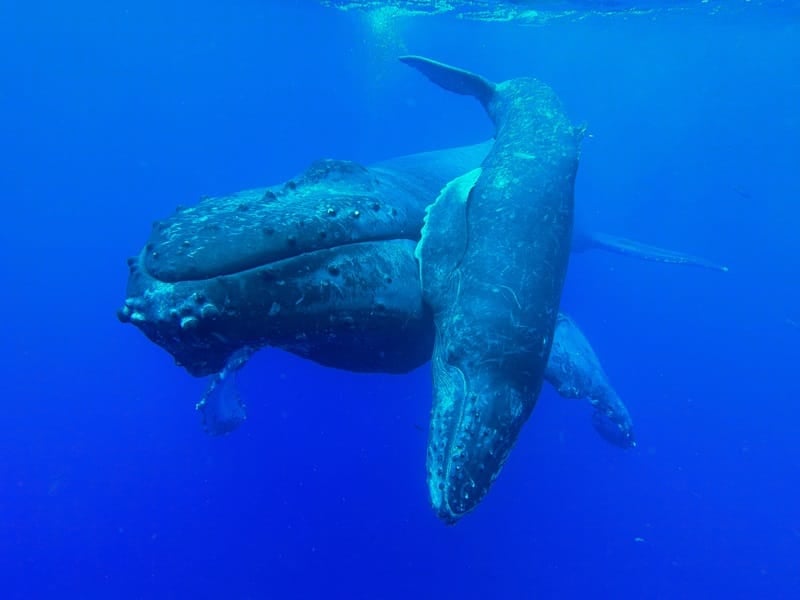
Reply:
x=113, y=113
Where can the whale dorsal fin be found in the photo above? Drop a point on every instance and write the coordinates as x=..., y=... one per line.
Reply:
x=452, y=79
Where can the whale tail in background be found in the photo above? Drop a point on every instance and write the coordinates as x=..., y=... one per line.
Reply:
x=619, y=245
x=452, y=79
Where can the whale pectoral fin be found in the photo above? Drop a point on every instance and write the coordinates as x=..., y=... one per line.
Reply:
x=443, y=239
x=613, y=423
x=619, y=245
x=574, y=370
x=494, y=299
x=452, y=79
x=221, y=407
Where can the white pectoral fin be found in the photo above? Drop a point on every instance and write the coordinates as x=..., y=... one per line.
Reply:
x=444, y=234
x=221, y=407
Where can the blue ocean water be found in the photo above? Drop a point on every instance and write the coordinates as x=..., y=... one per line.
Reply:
x=112, y=113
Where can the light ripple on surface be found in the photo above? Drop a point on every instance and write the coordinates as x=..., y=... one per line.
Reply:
x=538, y=11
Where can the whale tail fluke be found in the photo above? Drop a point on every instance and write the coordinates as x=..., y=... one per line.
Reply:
x=452, y=79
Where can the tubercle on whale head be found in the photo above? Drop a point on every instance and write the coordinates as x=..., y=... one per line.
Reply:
x=181, y=318
x=333, y=203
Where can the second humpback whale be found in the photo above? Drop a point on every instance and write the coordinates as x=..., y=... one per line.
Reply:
x=493, y=259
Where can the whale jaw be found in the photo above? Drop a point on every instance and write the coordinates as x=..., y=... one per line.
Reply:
x=475, y=421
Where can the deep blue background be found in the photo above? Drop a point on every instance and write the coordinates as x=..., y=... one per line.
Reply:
x=112, y=113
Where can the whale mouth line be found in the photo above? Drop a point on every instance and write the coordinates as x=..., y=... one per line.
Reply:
x=254, y=263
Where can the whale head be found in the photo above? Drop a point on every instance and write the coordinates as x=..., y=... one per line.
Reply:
x=318, y=265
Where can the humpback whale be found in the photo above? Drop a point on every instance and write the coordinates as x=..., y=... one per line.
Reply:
x=493, y=258
x=322, y=266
